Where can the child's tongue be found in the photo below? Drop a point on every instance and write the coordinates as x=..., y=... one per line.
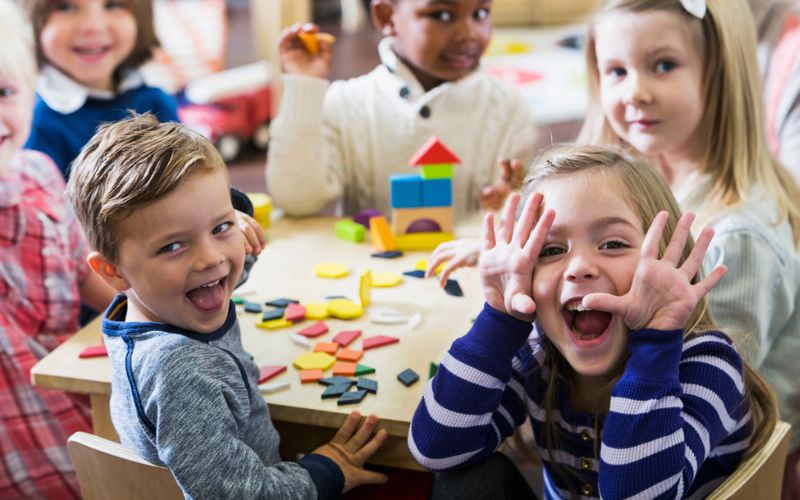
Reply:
x=207, y=298
x=591, y=323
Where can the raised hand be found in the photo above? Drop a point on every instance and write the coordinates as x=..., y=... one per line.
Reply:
x=295, y=56
x=662, y=296
x=493, y=196
x=457, y=253
x=507, y=260
x=254, y=239
x=352, y=446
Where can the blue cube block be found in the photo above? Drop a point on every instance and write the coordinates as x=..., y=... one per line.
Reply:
x=406, y=191
x=437, y=193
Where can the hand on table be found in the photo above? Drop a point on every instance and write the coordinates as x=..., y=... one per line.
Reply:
x=457, y=253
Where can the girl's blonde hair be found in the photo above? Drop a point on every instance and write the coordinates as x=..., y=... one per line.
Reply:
x=146, y=40
x=17, y=59
x=737, y=156
x=646, y=193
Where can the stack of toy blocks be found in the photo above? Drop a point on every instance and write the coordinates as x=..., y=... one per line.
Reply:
x=422, y=204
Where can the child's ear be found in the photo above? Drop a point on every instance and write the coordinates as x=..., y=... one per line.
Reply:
x=108, y=271
x=382, y=11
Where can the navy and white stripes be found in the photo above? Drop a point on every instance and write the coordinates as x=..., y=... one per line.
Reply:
x=678, y=421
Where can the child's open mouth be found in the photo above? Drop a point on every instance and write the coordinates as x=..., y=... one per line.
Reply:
x=587, y=327
x=208, y=297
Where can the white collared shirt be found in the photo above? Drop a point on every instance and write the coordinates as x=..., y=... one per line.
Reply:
x=65, y=95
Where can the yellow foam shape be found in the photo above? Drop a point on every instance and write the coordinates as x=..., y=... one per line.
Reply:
x=311, y=40
x=381, y=234
x=316, y=310
x=262, y=208
x=274, y=324
x=331, y=270
x=314, y=361
x=421, y=241
x=422, y=265
x=344, y=309
x=365, y=288
x=386, y=280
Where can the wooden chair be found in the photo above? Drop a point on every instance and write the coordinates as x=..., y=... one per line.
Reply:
x=761, y=475
x=107, y=469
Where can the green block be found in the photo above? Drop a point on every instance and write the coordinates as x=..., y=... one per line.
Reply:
x=238, y=300
x=363, y=370
x=432, y=369
x=437, y=171
x=350, y=231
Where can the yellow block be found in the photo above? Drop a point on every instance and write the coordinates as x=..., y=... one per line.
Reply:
x=262, y=208
x=274, y=324
x=314, y=361
x=344, y=309
x=316, y=310
x=365, y=288
x=381, y=234
x=422, y=265
x=331, y=270
x=421, y=241
x=386, y=280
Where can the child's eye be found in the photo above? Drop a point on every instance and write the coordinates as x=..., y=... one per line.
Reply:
x=551, y=251
x=665, y=66
x=116, y=4
x=481, y=14
x=7, y=91
x=443, y=16
x=617, y=71
x=171, y=248
x=613, y=245
x=222, y=227
x=65, y=6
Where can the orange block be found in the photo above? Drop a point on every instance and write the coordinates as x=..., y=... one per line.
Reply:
x=381, y=234
x=349, y=355
x=344, y=368
x=307, y=376
x=329, y=347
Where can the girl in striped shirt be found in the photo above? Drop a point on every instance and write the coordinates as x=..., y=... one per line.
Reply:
x=630, y=389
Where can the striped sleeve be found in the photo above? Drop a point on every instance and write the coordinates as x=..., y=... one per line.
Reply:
x=673, y=407
x=470, y=406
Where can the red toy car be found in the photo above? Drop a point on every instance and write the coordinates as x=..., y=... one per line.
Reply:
x=231, y=107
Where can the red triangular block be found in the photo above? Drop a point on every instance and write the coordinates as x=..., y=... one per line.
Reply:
x=377, y=341
x=294, y=312
x=344, y=338
x=314, y=330
x=94, y=351
x=267, y=372
x=433, y=152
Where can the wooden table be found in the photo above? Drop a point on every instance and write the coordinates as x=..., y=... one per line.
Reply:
x=303, y=419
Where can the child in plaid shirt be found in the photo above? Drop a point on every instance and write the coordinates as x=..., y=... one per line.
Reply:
x=43, y=278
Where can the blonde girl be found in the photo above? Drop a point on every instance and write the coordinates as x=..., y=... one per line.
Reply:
x=89, y=52
x=679, y=81
x=629, y=386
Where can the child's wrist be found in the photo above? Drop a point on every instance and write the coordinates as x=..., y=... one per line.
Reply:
x=654, y=354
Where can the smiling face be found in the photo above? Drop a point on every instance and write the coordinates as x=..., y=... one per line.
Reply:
x=89, y=39
x=650, y=72
x=593, y=246
x=180, y=258
x=440, y=40
x=16, y=110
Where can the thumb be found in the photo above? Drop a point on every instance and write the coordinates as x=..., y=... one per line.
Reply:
x=522, y=304
x=605, y=302
x=370, y=477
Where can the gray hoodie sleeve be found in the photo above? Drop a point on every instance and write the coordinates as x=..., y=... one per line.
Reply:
x=205, y=433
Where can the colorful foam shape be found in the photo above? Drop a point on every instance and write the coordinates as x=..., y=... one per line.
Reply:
x=252, y=307
x=424, y=226
x=453, y=288
x=349, y=355
x=367, y=384
x=314, y=330
x=432, y=369
x=300, y=340
x=314, y=361
x=274, y=324
x=437, y=193
x=334, y=391
x=271, y=314
x=295, y=312
x=386, y=279
x=269, y=371
x=349, y=398
x=344, y=309
x=337, y=380
x=344, y=338
x=344, y=368
x=363, y=370
x=421, y=241
x=436, y=171
x=331, y=270
x=93, y=351
x=329, y=347
x=348, y=230
x=416, y=273
x=433, y=152
x=274, y=386
x=381, y=234
x=407, y=377
x=365, y=288
x=405, y=191
x=282, y=302
x=308, y=376
x=388, y=255
x=377, y=341
x=316, y=310
x=364, y=216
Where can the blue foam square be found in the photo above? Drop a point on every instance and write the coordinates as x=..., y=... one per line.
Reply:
x=437, y=193
x=406, y=191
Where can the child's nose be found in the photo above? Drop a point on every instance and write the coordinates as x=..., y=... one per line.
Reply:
x=208, y=256
x=637, y=90
x=93, y=17
x=580, y=268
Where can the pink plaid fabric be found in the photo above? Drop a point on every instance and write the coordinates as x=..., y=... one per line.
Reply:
x=42, y=260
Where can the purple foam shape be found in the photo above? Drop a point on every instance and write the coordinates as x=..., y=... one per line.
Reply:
x=364, y=216
x=424, y=226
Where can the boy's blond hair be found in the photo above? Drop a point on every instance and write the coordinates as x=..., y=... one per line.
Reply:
x=737, y=156
x=17, y=59
x=644, y=190
x=129, y=164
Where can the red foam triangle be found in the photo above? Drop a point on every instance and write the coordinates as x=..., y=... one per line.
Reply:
x=345, y=337
x=433, y=152
x=294, y=312
x=377, y=341
x=314, y=330
x=94, y=351
x=269, y=371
